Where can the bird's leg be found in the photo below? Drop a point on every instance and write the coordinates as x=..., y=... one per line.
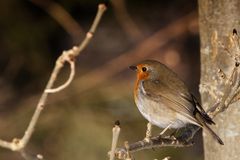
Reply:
x=148, y=132
x=165, y=129
x=174, y=133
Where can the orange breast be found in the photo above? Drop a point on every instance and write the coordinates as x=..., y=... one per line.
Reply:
x=140, y=76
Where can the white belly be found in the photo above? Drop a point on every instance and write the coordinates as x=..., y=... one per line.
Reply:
x=157, y=113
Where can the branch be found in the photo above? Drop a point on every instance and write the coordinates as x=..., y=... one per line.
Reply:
x=116, y=131
x=71, y=76
x=182, y=140
x=66, y=56
x=156, y=142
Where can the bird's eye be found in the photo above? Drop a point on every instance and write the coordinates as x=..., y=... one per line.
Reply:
x=144, y=69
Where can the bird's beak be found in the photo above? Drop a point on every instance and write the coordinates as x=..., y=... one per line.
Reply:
x=133, y=68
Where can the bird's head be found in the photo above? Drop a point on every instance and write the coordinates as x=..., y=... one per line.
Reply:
x=148, y=69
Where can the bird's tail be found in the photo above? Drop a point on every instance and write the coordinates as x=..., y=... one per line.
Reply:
x=214, y=135
x=202, y=121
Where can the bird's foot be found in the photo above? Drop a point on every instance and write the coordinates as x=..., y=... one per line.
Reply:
x=173, y=137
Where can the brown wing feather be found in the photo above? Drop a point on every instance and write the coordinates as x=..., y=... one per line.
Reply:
x=175, y=100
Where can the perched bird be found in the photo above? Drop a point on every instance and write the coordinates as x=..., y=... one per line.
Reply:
x=165, y=101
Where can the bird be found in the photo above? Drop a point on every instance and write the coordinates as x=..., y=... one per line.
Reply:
x=165, y=101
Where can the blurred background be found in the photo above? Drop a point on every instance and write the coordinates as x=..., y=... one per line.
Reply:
x=77, y=122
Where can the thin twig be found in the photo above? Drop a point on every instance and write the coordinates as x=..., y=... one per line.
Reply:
x=116, y=131
x=156, y=142
x=66, y=56
x=71, y=76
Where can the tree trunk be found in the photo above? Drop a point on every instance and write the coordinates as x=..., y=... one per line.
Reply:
x=217, y=19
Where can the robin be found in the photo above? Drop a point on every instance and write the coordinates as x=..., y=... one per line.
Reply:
x=164, y=100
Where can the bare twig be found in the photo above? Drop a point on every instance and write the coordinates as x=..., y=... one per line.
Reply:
x=66, y=56
x=72, y=69
x=57, y=12
x=156, y=142
x=116, y=131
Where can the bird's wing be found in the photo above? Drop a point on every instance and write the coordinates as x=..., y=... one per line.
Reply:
x=182, y=103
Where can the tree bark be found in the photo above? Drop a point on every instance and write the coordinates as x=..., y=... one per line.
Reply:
x=217, y=19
